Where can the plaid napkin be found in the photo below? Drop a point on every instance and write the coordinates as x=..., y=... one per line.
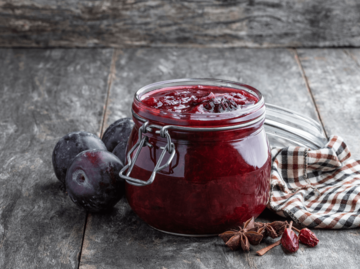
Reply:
x=316, y=188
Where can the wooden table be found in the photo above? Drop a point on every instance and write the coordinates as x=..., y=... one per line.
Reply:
x=48, y=93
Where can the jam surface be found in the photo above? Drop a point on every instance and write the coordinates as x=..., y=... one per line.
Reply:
x=199, y=99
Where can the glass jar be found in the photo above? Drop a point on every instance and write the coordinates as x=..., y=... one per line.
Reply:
x=197, y=174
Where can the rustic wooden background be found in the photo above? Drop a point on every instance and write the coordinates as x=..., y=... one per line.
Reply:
x=46, y=93
x=185, y=23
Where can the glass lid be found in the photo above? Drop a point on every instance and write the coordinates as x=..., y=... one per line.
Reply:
x=288, y=128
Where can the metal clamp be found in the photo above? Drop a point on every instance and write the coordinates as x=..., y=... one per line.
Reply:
x=143, y=142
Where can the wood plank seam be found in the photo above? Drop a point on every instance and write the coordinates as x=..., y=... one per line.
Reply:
x=101, y=131
x=111, y=78
x=82, y=240
x=297, y=59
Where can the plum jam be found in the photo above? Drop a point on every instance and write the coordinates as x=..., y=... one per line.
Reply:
x=210, y=133
x=197, y=99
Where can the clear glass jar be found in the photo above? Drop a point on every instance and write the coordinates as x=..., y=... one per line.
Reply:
x=218, y=172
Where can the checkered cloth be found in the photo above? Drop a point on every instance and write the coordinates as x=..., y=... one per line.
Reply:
x=316, y=188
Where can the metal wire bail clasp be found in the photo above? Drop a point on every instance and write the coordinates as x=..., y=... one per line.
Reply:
x=143, y=142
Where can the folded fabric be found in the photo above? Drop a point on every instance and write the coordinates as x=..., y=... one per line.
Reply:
x=316, y=188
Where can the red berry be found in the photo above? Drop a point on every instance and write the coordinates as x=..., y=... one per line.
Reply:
x=290, y=241
x=307, y=237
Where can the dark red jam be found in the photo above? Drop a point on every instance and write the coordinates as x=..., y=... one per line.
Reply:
x=217, y=179
x=199, y=99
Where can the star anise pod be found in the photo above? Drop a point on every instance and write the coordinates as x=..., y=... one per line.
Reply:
x=279, y=227
x=246, y=235
x=273, y=229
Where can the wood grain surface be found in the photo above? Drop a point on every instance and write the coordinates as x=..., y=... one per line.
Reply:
x=122, y=240
x=47, y=93
x=44, y=95
x=214, y=23
x=333, y=77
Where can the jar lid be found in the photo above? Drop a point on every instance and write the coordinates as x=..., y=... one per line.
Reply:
x=285, y=128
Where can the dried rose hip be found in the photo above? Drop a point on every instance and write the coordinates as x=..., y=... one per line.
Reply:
x=307, y=237
x=289, y=240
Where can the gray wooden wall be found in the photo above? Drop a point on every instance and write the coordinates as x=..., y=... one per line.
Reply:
x=182, y=23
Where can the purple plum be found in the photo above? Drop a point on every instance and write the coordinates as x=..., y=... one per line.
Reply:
x=117, y=132
x=69, y=146
x=120, y=151
x=93, y=181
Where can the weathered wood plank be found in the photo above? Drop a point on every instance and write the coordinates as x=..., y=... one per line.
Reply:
x=44, y=94
x=333, y=76
x=215, y=23
x=121, y=239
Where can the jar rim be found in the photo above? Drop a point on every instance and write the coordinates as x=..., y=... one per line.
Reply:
x=236, y=116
